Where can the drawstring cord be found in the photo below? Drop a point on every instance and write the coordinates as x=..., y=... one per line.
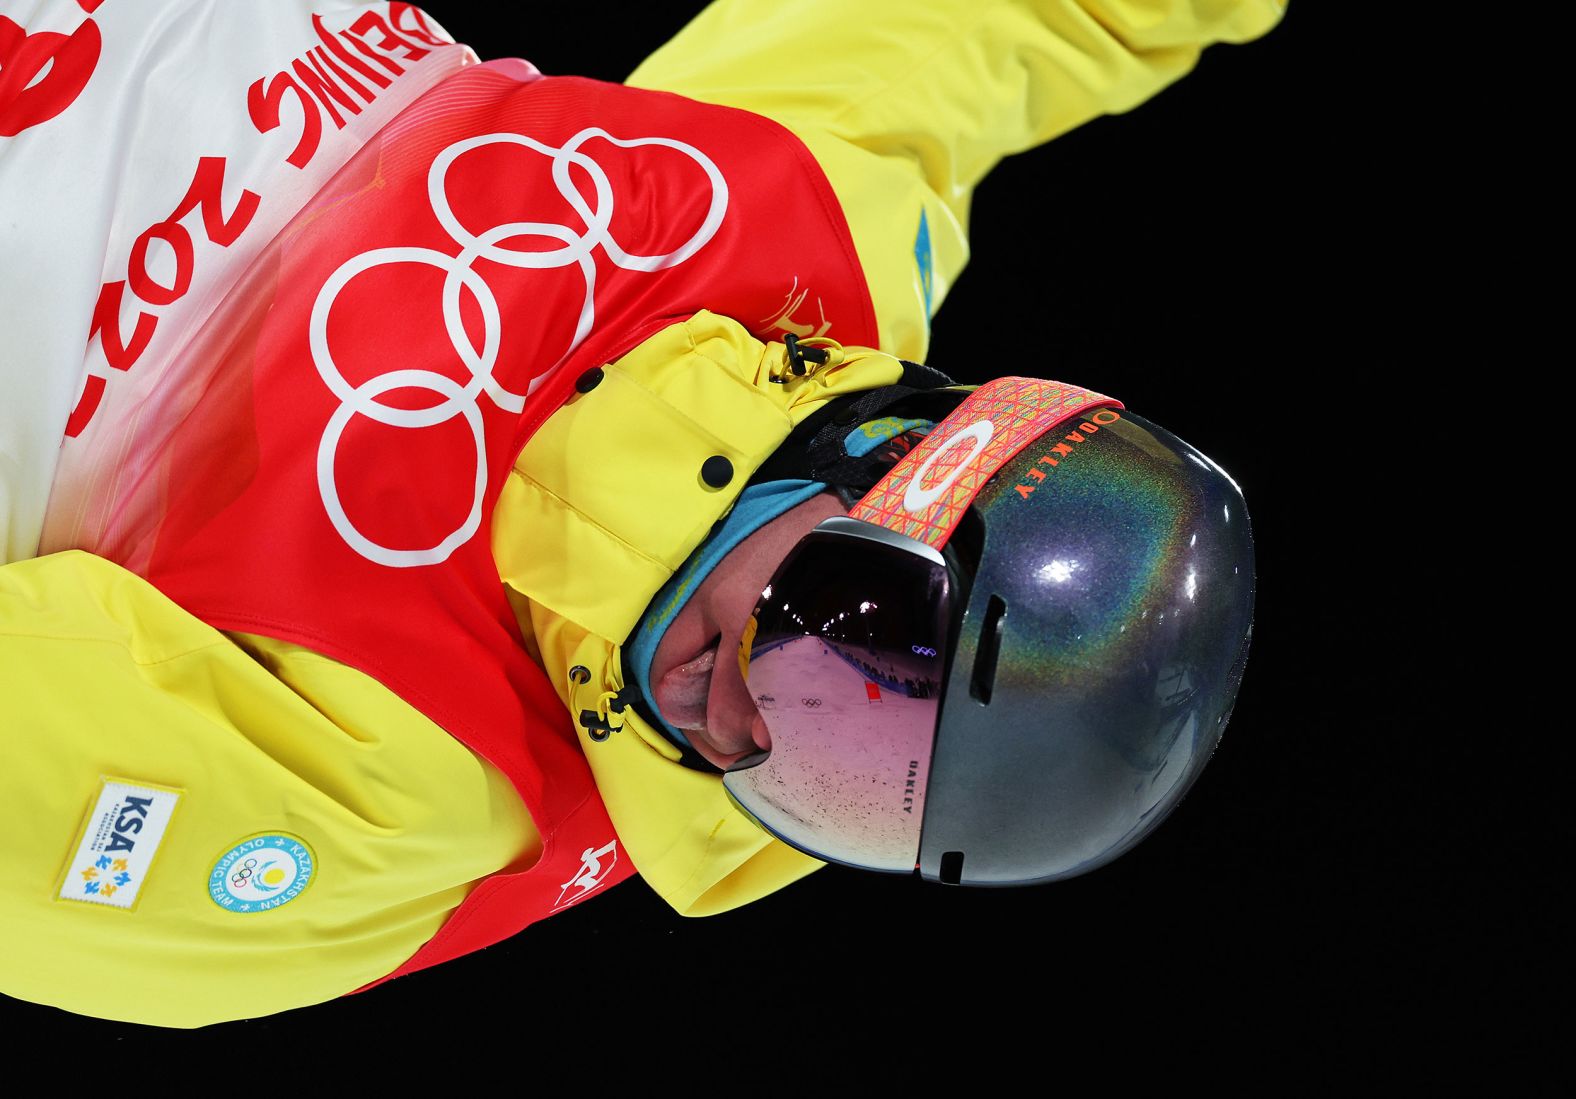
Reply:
x=596, y=722
x=817, y=351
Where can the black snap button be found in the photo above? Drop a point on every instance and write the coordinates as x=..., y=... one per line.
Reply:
x=716, y=471
x=589, y=380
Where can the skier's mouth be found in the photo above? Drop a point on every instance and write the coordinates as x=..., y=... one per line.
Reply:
x=683, y=691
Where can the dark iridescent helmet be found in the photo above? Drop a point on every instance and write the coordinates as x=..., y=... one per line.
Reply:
x=1015, y=655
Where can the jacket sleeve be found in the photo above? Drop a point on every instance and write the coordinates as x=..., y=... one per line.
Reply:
x=907, y=106
x=106, y=685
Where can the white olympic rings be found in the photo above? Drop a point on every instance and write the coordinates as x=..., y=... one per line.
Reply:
x=578, y=248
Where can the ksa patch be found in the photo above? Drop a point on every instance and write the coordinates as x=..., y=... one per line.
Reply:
x=119, y=838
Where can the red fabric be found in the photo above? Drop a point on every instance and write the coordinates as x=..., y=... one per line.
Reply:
x=41, y=74
x=246, y=535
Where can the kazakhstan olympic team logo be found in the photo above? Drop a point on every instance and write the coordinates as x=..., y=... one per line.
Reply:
x=261, y=873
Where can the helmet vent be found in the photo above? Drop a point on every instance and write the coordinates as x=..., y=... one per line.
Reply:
x=984, y=678
x=952, y=868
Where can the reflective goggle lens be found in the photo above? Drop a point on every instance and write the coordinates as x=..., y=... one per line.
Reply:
x=846, y=665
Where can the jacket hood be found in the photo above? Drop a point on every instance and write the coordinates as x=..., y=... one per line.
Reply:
x=604, y=505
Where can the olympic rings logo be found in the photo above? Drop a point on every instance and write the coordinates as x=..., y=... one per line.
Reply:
x=457, y=400
x=812, y=703
x=923, y=650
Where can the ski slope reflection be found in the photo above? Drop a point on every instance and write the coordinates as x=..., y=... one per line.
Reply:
x=851, y=731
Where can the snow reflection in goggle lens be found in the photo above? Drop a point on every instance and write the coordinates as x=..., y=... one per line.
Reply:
x=846, y=666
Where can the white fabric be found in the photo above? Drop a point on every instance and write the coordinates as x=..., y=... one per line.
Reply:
x=170, y=87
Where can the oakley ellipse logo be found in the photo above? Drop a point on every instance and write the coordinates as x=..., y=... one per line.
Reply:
x=917, y=499
x=459, y=272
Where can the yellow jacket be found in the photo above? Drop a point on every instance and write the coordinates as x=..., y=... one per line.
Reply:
x=102, y=676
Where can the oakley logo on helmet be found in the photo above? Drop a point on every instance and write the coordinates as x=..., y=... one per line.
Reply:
x=459, y=272
x=1061, y=450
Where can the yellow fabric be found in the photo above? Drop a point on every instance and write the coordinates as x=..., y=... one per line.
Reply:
x=100, y=674
x=908, y=105
x=629, y=514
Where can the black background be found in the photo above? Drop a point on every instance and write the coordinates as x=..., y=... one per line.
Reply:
x=1208, y=258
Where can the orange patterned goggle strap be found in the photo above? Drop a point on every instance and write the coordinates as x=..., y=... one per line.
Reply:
x=928, y=491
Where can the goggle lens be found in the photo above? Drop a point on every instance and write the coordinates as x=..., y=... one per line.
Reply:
x=847, y=665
